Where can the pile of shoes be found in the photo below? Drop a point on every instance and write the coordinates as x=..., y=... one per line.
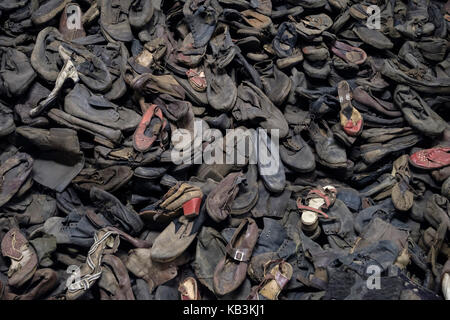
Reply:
x=327, y=122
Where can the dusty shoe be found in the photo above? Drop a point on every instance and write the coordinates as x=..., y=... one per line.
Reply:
x=59, y=139
x=7, y=125
x=373, y=152
x=171, y=204
x=115, y=211
x=219, y=200
x=176, y=238
x=48, y=11
x=14, y=172
x=24, y=260
x=114, y=282
x=16, y=78
x=209, y=251
x=201, y=16
x=270, y=167
x=274, y=280
x=45, y=58
x=68, y=73
x=141, y=12
x=313, y=25
x=83, y=104
x=402, y=196
x=197, y=79
x=99, y=131
x=91, y=69
x=253, y=105
x=329, y=152
x=248, y=194
x=140, y=264
x=108, y=179
x=348, y=53
x=232, y=269
x=221, y=90
x=114, y=20
x=417, y=112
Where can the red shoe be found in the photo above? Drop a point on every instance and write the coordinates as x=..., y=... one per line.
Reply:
x=141, y=141
x=353, y=129
x=350, y=118
x=434, y=158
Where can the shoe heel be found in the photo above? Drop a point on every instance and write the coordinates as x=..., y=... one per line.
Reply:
x=192, y=207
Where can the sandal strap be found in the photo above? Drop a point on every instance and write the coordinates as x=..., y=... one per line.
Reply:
x=321, y=195
x=281, y=280
x=308, y=208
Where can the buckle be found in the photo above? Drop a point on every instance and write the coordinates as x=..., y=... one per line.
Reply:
x=239, y=255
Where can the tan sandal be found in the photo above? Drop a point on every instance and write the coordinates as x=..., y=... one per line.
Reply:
x=274, y=281
x=189, y=289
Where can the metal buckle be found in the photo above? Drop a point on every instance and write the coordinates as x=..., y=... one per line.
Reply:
x=239, y=255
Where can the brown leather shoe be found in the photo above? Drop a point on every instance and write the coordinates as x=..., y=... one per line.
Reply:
x=218, y=202
x=43, y=281
x=114, y=283
x=232, y=269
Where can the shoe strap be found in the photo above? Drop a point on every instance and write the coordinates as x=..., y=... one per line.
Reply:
x=302, y=207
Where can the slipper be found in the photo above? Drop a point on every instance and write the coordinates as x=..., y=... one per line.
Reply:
x=350, y=118
x=434, y=158
x=143, y=142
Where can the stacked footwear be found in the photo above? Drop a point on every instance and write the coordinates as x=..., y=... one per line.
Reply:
x=224, y=149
